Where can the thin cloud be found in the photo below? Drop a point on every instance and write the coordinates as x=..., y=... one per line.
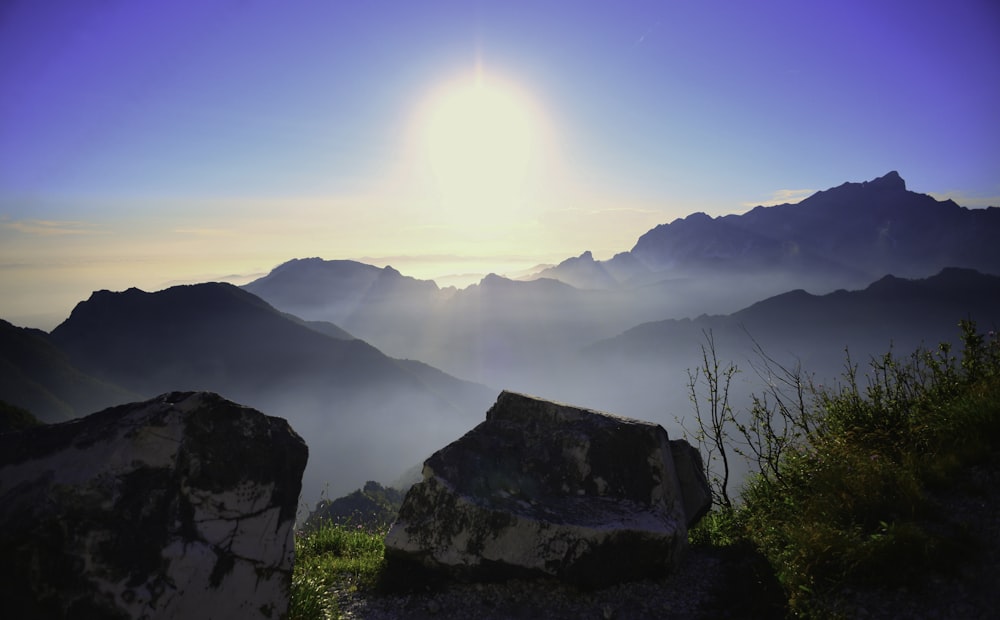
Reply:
x=783, y=196
x=605, y=210
x=50, y=228
x=624, y=210
x=438, y=258
x=205, y=232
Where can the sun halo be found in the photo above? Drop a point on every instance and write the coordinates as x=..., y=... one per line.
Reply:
x=480, y=140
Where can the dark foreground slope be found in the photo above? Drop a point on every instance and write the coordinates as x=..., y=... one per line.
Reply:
x=886, y=509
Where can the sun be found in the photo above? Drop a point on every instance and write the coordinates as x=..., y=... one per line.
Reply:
x=480, y=140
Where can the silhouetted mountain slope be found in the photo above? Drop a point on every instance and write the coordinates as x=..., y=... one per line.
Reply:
x=215, y=336
x=206, y=336
x=643, y=371
x=487, y=330
x=324, y=327
x=346, y=397
x=892, y=310
x=841, y=238
x=517, y=334
x=867, y=228
x=341, y=291
x=338, y=285
x=582, y=272
x=37, y=376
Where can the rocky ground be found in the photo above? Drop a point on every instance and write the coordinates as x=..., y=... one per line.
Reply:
x=710, y=584
x=733, y=583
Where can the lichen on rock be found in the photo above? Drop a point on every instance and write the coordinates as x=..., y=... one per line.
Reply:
x=180, y=506
x=547, y=489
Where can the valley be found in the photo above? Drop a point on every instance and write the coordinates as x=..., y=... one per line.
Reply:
x=377, y=369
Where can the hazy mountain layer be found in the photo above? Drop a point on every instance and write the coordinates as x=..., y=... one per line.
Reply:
x=644, y=369
x=362, y=413
x=849, y=234
x=610, y=335
x=36, y=375
x=511, y=334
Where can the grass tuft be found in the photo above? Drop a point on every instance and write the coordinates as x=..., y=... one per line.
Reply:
x=333, y=557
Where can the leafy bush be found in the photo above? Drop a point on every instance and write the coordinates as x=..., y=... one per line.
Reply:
x=13, y=418
x=840, y=497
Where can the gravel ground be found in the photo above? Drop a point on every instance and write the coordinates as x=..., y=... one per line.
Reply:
x=701, y=588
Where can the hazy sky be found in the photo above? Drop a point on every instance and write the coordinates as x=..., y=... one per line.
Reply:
x=144, y=142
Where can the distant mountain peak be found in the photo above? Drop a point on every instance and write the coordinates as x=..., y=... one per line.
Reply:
x=581, y=272
x=586, y=257
x=846, y=234
x=889, y=181
x=691, y=218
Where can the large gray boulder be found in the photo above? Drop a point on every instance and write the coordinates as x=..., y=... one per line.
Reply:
x=179, y=507
x=546, y=489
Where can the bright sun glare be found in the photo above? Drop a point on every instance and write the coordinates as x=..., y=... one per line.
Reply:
x=479, y=136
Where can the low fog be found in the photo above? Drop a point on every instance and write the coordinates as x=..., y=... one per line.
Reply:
x=627, y=351
x=377, y=370
x=380, y=436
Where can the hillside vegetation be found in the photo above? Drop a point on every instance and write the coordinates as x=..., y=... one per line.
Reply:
x=855, y=484
x=850, y=500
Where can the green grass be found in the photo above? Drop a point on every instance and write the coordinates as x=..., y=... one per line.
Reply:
x=333, y=557
x=847, y=504
x=852, y=505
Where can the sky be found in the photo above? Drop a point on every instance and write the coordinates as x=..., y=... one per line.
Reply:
x=147, y=143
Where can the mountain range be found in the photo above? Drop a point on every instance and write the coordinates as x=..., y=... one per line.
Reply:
x=36, y=375
x=817, y=334
x=844, y=236
x=336, y=390
x=511, y=331
x=333, y=346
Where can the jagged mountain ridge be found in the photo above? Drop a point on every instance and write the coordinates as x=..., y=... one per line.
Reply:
x=516, y=335
x=848, y=235
x=503, y=332
x=467, y=333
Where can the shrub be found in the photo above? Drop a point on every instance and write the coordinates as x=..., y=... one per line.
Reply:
x=840, y=495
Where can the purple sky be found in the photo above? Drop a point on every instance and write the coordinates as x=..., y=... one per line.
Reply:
x=146, y=141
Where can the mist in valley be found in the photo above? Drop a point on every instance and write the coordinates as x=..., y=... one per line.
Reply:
x=376, y=370
x=806, y=287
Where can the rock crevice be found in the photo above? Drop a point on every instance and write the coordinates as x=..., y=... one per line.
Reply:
x=180, y=506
